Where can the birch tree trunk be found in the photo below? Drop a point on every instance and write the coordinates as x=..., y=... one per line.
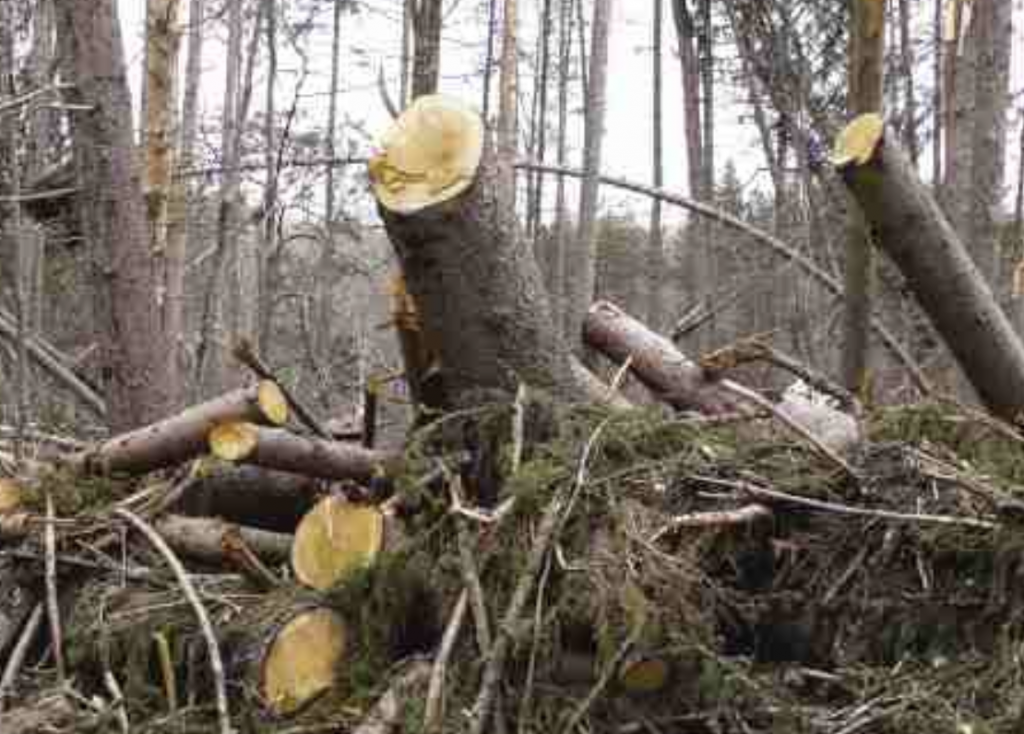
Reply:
x=136, y=369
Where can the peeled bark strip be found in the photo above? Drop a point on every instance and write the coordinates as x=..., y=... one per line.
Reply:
x=474, y=281
x=183, y=437
x=655, y=360
x=909, y=225
x=279, y=449
x=336, y=538
x=210, y=539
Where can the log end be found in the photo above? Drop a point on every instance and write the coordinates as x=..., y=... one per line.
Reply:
x=858, y=142
x=303, y=660
x=644, y=674
x=272, y=402
x=430, y=155
x=334, y=539
x=233, y=441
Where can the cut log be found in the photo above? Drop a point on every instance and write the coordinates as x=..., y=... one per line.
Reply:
x=654, y=360
x=337, y=538
x=281, y=649
x=475, y=283
x=251, y=495
x=210, y=540
x=909, y=225
x=11, y=496
x=290, y=656
x=286, y=451
x=183, y=437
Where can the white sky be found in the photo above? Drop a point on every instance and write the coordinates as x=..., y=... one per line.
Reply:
x=372, y=37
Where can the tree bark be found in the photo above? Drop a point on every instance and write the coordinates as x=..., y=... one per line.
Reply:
x=585, y=245
x=208, y=539
x=654, y=360
x=911, y=228
x=475, y=282
x=426, y=66
x=867, y=61
x=136, y=368
x=285, y=451
x=183, y=436
x=508, y=117
x=655, y=250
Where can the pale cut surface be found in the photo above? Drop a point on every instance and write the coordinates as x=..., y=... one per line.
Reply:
x=233, y=441
x=303, y=660
x=430, y=154
x=334, y=539
x=273, y=402
x=10, y=496
x=858, y=141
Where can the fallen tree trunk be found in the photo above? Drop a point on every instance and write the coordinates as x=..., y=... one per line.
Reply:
x=475, y=283
x=909, y=225
x=183, y=436
x=654, y=360
x=286, y=451
x=210, y=539
x=251, y=495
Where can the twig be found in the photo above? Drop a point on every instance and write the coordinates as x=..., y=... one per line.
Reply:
x=434, y=709
x=163, y=650
x=824, y=506
x=117, y=701
x=52, y=605
x=527, y=699
x=243, y=351
x=762, y=402
x=213, y=649
x=388, y=710
x=601, y=684
x=717, y=518
x=551, y=522
x=755, y=349
x=20, y=652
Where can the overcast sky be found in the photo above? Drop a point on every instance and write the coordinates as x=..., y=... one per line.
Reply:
x=370, y=38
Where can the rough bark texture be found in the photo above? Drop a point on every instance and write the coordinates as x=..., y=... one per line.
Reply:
x=262, y=498
x=426, y=67
x=480, y=294
x=867, y=58
x=209, y=539
x=176, y=439
x=315, y=457
x=912, y=229
x=136, y=368
x=655, y=360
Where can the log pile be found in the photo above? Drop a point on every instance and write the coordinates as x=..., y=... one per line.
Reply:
x=541, y=555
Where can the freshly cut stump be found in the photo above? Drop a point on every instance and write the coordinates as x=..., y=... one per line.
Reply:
x=302, y=660
x=335, y=539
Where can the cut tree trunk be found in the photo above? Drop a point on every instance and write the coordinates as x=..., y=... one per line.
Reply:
x=654, y=360
x=211, y=539
x=475, y=282
x=910, y=226
x=279, y=449
x=338, y=537
x=251, y=495
x=184, y=436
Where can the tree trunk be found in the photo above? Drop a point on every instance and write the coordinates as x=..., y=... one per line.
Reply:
x=584, y=255
x=867, y=61
x=183, y=436
x=182, y=219
x=476, y=285
x=910, y=227
x=655, y=253
x=136, y=368
x=654, y=360
x=686, y=35
x=507, y=99
x=427, y=43
x=282, y=450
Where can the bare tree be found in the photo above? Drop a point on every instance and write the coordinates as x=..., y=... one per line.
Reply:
x=655, y=253
x=582, y=282
x=136, y=368
x=507, y=101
